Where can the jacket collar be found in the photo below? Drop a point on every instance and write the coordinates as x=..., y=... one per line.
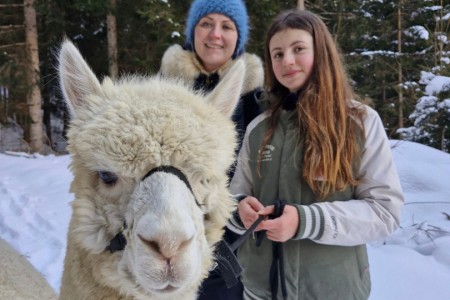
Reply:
x=184, y=64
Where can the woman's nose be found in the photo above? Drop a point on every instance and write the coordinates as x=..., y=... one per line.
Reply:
x=215, y=32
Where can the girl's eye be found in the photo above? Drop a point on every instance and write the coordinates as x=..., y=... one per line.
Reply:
x=108, y=178
x=298, y=49
x=277, y=55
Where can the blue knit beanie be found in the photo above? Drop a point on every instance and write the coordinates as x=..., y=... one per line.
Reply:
x=234, y=9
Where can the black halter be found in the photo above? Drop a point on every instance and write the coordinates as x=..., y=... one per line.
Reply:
x=119, y=242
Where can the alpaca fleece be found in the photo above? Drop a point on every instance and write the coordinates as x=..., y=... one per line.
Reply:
x=121, y=130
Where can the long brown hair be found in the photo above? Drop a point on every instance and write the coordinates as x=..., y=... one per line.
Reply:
x=329, y=123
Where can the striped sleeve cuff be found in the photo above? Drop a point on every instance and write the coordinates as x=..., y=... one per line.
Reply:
x=239, y=197
x=234, y=222
x=311, y=225
x=235, y=225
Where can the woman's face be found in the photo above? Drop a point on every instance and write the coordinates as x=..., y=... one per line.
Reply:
x=215, y=39
x=292, y=55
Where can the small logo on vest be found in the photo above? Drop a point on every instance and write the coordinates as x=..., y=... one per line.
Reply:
x=267, y=153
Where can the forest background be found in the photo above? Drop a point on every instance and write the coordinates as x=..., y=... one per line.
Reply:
x=397, y=54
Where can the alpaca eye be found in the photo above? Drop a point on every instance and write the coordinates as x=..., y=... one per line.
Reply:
x=108, y=178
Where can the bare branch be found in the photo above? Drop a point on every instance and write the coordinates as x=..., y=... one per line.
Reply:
x=10, y=5
x=12, y=45
x=2, y=27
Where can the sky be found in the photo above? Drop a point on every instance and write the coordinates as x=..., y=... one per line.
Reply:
x=411, y=264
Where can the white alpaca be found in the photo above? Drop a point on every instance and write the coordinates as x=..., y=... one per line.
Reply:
x=19, y=280
x=172, y=217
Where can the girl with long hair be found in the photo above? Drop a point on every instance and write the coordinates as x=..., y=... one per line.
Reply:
x=318, y=166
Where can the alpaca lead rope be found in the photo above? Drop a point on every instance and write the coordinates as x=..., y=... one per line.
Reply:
x=227, y=261
x=230, y=267
x=277, y=267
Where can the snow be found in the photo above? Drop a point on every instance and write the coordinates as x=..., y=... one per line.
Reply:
x=418, y=30
x=413, y=263
x=434, y=84
x=175, y=34
x=35, y=211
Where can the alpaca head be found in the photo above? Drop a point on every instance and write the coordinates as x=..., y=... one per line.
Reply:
x=149, y=158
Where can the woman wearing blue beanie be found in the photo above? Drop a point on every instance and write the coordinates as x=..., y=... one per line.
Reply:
x=216, y=34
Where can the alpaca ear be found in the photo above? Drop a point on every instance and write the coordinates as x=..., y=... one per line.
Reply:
x=226, y=95
x=76, y=78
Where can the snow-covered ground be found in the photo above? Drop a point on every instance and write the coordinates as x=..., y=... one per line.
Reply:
x=412, y=264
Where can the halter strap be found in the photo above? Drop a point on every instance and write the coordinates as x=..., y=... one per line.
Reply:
x=226, y=259
x=175, y=171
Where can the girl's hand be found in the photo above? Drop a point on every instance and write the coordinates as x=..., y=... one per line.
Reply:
x=248, y=211
x=283, y=228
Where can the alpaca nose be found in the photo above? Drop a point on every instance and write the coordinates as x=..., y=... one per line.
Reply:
x=166, y=246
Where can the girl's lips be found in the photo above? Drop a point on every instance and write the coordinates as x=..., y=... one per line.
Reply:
x=291, y=73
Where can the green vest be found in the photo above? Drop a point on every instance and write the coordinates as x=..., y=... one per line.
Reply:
x=312, y=270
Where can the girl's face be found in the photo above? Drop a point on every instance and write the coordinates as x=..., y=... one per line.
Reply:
x=292, y=55
x=215, y=39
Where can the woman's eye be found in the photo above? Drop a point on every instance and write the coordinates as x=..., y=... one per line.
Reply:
x=298, y=49
x=206, y=25
x=228, y=27
x=108, y=178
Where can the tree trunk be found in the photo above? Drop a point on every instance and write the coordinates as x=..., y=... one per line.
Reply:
x=300, y=4
x=33, y=78
x=440, y=28
x=112, y=39
x=400, y=73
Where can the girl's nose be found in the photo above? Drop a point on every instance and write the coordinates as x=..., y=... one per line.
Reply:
x=288, y=59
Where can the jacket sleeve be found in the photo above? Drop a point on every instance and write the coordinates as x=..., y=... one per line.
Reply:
x=241, y=183
x=375, y=211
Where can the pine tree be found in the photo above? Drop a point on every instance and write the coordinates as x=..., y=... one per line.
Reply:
x=13, y=89
x=430, y=34
x=372, y=58
x=385, y=61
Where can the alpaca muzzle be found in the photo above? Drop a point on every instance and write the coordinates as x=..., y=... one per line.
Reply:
x=119, y=241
